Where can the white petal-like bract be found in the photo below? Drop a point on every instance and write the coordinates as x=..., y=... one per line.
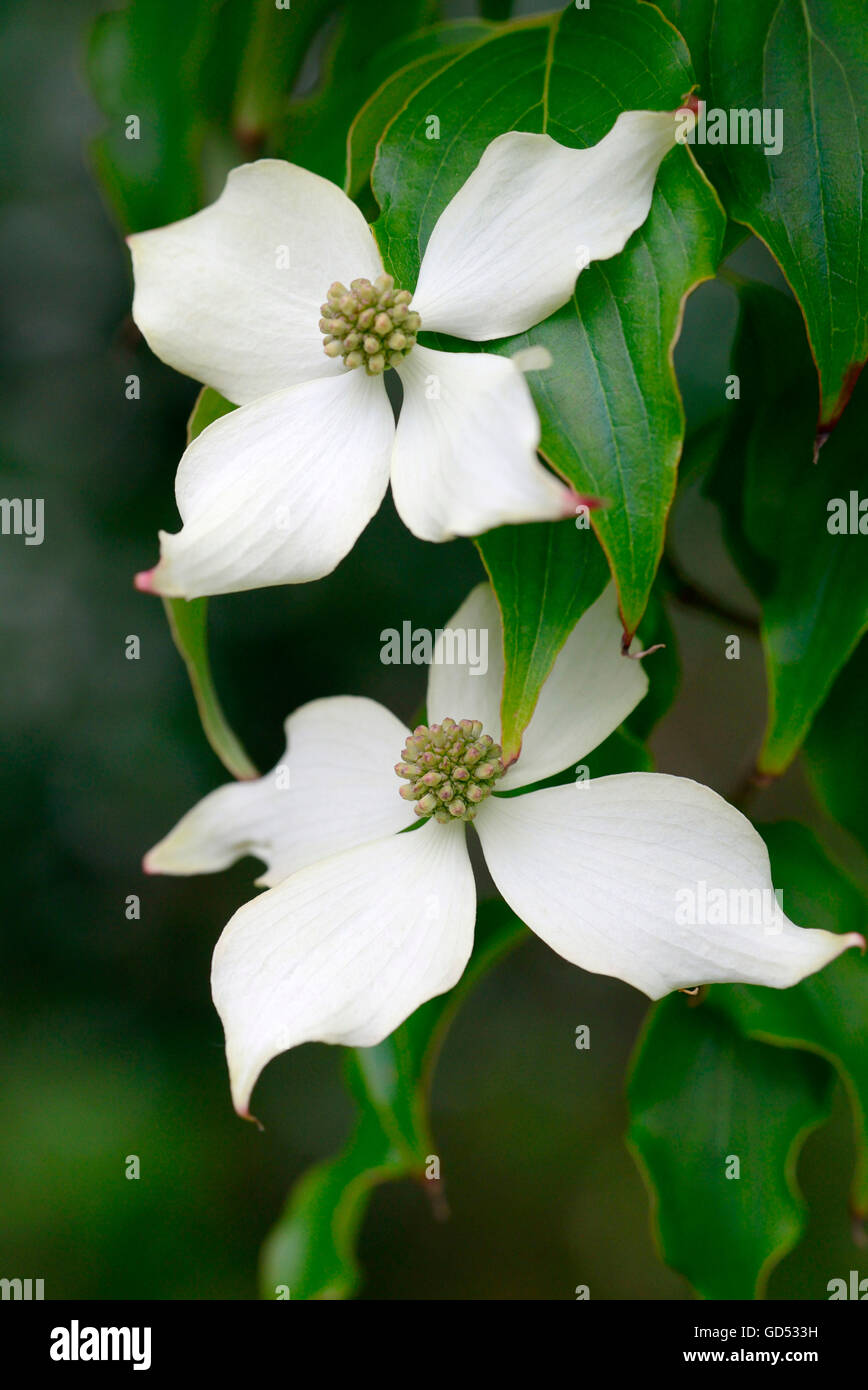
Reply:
x=345, y=950
x=277, y=492
x=231, y=296
x=465, y=448
x=334, y=788
x=506, y=251
x=653, y=879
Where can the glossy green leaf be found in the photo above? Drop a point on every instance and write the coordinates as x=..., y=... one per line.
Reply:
x=778, y=505
x=807, y=59
x=188, y=621
x=828, y=1013
x=545, y=575
x=312, y=1248
x=836, y=749
x=703, y=1097
x=408, y=65
x=609, y=405
x=612, y=420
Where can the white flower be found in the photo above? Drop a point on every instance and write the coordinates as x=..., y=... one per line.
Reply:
x=238, y=296
x=361, y=924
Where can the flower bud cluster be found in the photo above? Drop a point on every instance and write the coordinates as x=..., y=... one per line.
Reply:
x=450, y=769
x=369, y=325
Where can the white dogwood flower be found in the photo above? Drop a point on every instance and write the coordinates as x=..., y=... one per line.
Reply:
x=276, y=297
x=361, y=923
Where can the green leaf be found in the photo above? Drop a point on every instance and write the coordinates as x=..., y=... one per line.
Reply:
x=409, y=65
x=609, y=405
x=209, y=406
x=211, y=84
x=314, y=130
x=809, y=60
x=545, y=575
x=818, y=610
x=312, y=1248
x=828, y=1013
x=276, y=46
x=838, y=744
x=188, y=621
x=702, y=1095
x=173, y=68
x=812, y=583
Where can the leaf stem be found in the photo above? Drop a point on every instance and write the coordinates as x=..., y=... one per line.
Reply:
x=188, y=624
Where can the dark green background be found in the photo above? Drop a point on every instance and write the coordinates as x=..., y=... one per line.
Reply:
x=110, y=1045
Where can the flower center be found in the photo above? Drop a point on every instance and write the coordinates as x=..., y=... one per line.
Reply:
x=369, y=325
x=450, y=768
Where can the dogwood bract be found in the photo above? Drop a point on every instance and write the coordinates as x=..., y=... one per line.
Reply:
x=276, y=297
x=361, y=923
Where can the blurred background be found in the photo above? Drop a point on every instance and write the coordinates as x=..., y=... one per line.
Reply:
x=111, y=1046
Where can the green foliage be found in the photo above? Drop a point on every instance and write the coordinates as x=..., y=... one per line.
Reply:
x=778, y=508
x=188, y=621
x=348, y=90
x=609, y=405
x=407, y=66
x=703, y=1098
x=808, y=60
x=312, y=1248
x=545, y=576
x=313, y=131
x=173, y=69
x=212, y=84
x=826, y=1013
x=706, y=1085
x=838, y=745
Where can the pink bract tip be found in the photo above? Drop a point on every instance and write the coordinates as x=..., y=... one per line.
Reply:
x=577, y=501
x=246, y=1115
x=690, y=103
x=144, y=581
